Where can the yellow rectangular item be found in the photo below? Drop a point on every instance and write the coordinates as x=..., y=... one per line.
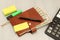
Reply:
x=21, y=26
x=9, y=10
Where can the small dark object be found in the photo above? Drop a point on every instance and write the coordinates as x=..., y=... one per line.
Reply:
x=31, y=19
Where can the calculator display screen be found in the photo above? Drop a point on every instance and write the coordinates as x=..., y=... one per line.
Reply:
x=58, y=15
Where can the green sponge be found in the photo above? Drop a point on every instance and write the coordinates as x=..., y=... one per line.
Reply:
x=16, y=13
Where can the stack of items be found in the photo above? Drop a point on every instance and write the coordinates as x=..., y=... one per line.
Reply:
x=11, y=11
x=26, y=21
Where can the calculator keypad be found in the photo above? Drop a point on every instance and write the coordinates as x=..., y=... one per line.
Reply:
x=54, y=29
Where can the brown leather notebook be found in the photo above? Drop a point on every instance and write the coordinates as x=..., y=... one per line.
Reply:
x=30, y=13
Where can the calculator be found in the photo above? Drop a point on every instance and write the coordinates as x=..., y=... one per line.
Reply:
x=53, y=29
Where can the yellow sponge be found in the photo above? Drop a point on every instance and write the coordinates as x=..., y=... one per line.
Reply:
x=9, y=10
x=21, y=26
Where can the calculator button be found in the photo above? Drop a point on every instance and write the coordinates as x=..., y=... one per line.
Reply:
x=57, y=35
x=49, y=31
x=54, y=23
x=56, y=27
x=58, y=32
x=50, y=28
x=55, y=20
x=55, y=30
x=53, y=33
x=59, y=29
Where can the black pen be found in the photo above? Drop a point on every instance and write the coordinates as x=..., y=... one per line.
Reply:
x=31, y=19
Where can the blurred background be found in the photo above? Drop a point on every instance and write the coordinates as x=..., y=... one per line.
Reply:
x=48, y=6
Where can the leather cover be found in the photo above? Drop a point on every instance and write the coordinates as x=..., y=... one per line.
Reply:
x=30, y=13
